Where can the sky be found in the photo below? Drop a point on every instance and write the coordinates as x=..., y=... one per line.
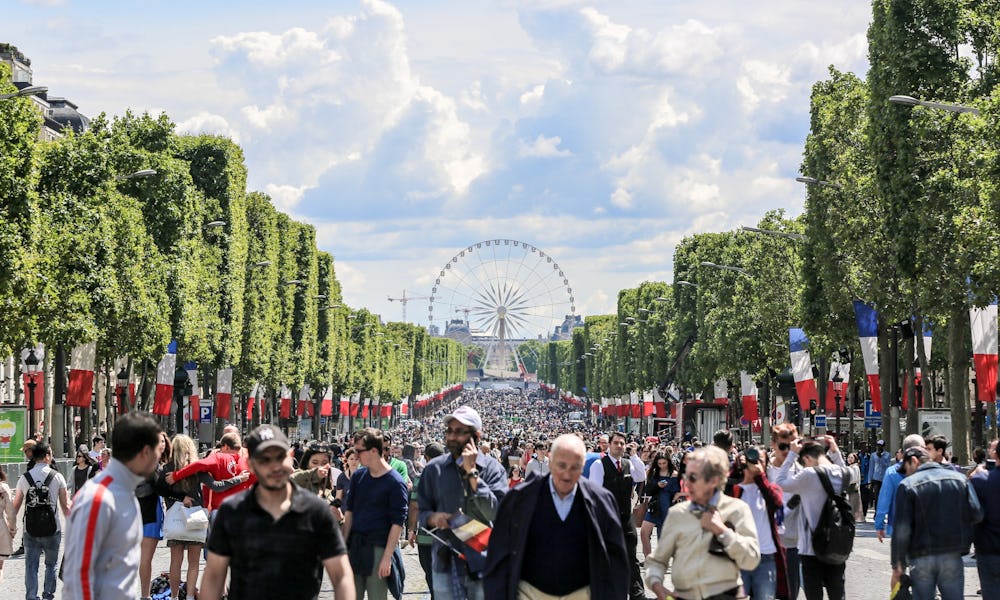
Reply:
x=407, y=131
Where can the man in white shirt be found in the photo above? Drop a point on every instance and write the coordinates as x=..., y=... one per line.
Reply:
x=42, y=475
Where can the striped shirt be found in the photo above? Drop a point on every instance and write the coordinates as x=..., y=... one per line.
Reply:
x=103, y=534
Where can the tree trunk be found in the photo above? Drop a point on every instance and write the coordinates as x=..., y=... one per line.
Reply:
x=958, y=383
x=886, y=370
x=926, y=387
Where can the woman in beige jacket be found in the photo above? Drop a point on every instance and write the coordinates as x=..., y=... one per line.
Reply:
x=9, y=525
x=709, y=538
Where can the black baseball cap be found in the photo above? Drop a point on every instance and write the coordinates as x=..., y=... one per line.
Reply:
x=264, y=437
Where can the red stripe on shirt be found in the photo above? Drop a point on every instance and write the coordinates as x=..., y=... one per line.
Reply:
x=88, y=545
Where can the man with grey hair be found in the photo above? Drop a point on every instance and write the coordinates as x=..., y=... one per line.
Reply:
x=885, y=509
x=933, y=548
x=548, y=528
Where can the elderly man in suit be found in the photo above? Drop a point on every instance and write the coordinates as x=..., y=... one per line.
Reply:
x=558, y=535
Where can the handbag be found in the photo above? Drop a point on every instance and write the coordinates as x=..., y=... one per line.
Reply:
x=639, y=513
x=175, y=524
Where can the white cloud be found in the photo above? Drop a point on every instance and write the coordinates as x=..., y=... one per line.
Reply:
x=543, y=147
x=762, y=81
x=534, y=95
x=285, y=197
x=205, y=122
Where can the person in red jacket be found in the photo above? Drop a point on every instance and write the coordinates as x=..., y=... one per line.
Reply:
x=223, y=464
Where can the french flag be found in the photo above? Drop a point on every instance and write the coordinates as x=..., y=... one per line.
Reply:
x=165, y=381
x=635, y=405
x=984, y=351
x=831, y=394
x=194, y=400
x=355, y=404
x=326, y=404
x=251, y=400
x=305, y=406
x=721, y=390
x=285, y=408
x=345, y=406
x=926, y=339
x=867, y=320
x=81, y=376
x=648, y=409
x=748, y=392
x=386, y=409
x=262, y=402
x=404, y=407
x=805, y=385
x=224, y=394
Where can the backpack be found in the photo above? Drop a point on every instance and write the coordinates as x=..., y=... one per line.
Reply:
x=39, y=509
x=833, y=538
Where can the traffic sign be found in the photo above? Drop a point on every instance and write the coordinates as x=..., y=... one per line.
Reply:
x=205, y=414
x=870, y=413
x=819, y=421
x=873, y=422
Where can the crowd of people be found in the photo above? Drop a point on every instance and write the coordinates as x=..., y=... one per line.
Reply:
x=505, y=494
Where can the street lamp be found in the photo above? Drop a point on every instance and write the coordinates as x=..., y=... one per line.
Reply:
x=263, y=263
x=838, y=388
x=215, y=224
x=813, y=181
x=31, y=90
x=784, y=234
x=955, y=108
x=140, y=174
x=31, y=366
x=686, y=283
x=123, y=389
x=292, y=281
x=712, y=265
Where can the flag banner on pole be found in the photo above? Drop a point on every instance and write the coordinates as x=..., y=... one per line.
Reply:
x=165, y=381
x=81, y=375
x=474, y=534
x=984, y=351
x=326, y=404
x=634, y=405
x=831, y=394
x=659, y=404
x=39, y=380
x=647, y=404
x=805, y=384
x=355, y=404
x=285, y=408
x=262, y=402
x=386, y=409
x=305, y=405
x=345, y=406
x=224, y=394
x=404, y=407
x=748, y=393
x=721, y=390
x=925, y=339
x=867, y=320
x=251, y=400
x=194, y=401
x=366, y=408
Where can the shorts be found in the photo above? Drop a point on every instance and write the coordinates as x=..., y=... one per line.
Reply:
x=183, y=544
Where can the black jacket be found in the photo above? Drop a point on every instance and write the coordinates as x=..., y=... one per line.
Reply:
x=608, y=562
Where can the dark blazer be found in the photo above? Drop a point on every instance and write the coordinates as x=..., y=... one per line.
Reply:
x=608, y=562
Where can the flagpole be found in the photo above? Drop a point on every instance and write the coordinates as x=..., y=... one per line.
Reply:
x=431, y=533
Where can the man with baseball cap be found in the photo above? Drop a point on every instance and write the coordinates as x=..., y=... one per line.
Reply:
x=878, y=463
x=463, y=479
x=275, y=538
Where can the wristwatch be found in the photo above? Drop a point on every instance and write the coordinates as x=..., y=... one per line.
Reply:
x=472, y=473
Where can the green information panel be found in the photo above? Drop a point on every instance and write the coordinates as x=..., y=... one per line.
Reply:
x=12, y=433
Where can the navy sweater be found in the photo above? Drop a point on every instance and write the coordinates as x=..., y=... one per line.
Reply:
x=376, y=503
x=987, y=533
x=555, y=555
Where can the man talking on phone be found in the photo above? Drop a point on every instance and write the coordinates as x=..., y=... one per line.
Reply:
x=463, y=480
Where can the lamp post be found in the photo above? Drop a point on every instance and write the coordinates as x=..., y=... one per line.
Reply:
x=739, y=270
x=838, y=388
x=123, y=390
x=945, y=106
x=31, y=367
x=31, y=90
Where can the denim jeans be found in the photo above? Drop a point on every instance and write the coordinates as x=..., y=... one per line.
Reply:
x=444, y=590
x=942, y=571
x=989, y=575
x=33, y=549
x=762, y=582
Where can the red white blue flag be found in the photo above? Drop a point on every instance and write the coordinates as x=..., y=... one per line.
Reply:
x=165, y=381
x=194, y=401
x=224, y=394
x=984, y=351
x=81, y=376
x=867, y=320
x=805, y=384
x=748, y=392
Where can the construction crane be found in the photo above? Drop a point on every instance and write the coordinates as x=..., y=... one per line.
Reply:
x=404, y=299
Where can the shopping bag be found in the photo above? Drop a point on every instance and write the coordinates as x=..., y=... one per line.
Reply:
x=197, y=518
x=175, y=525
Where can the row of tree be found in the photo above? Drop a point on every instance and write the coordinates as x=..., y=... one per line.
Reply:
x=902, y=212
x=95, y=248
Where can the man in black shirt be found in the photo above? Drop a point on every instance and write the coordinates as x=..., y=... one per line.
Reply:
x=276, y=538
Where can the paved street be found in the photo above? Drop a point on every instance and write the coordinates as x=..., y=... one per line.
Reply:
x=867, y=572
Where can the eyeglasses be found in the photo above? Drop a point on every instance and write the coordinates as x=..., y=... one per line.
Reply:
x=783, y=446
x=458, y=432
x=361, y=449
x=692, y=477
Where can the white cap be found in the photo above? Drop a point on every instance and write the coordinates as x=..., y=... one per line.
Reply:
x=880, y=442
x=466, y=415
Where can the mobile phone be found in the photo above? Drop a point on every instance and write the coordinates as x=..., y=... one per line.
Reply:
x=752, y=455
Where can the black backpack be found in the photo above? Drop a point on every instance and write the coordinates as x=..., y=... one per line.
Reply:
x=39, y=508
x=833, y=538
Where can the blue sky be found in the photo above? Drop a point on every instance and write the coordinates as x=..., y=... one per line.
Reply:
x=600, y=132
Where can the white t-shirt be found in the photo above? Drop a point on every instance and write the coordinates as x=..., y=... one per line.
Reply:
x=758, y=508
x=39, y=472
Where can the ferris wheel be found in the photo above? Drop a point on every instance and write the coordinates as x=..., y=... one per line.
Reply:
x=507, y=291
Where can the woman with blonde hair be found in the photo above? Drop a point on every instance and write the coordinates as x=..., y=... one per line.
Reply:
x=183, y=452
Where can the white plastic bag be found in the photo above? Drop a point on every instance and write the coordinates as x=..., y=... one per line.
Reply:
x=175, y=524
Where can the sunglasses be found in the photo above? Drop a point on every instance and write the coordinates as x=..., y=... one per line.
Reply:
x=692, y=477
x=784, y=446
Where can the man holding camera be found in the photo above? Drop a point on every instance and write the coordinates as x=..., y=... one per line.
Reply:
x=618, y=471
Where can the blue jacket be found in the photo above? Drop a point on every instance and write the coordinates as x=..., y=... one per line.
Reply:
x=987, y=486
x=608, y=562
x=935, y=511
x=864, y=460
x=878, y=464
x=884, y=507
